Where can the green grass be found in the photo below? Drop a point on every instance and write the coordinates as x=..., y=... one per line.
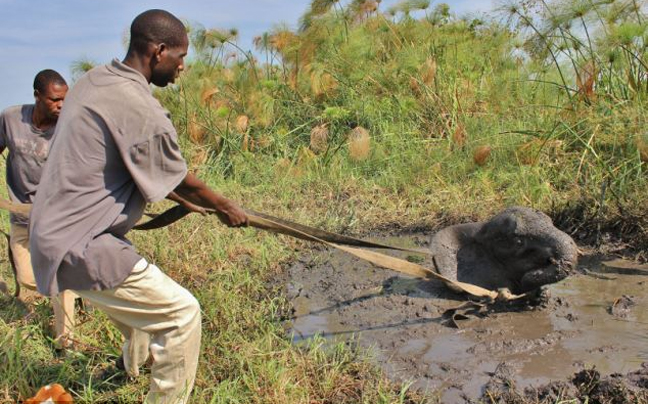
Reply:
x=429, y=90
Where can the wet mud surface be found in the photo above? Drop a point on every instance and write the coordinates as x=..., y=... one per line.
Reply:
x=590, y=328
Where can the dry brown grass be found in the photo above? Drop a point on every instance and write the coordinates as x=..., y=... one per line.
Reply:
x=293, y=79
x=228, y=75
x=428, y=71
x=242, y=123
x=643, y=150
x=322, y=84
x=319, y=139
x=247, y=144
x=481, y=155
x=365, y=10
x=199, y=157
x=217, y=103
x=208, y=95
x=414, y=86
x=585, y=80
x=283, y=39
x=196, y=130
x=359, y=143
x=282, y=165
x=529, y=153
x=459, y=136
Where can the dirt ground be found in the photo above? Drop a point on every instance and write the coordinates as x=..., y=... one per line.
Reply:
x=584, y=337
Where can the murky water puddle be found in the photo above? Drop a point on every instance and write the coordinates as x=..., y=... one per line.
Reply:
x=597, y=320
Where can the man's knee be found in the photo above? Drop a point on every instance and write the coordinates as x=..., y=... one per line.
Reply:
x=195, y=308
x=190, y=312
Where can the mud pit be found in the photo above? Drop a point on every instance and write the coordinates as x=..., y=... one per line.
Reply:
x=590, y=321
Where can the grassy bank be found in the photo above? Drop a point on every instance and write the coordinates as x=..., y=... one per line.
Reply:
x=362, y=120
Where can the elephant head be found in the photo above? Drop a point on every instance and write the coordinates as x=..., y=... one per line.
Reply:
x=519, y=249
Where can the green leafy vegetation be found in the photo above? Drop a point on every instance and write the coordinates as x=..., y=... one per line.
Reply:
x=365, y=118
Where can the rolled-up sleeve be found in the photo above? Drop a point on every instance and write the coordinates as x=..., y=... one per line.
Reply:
x=156, y=165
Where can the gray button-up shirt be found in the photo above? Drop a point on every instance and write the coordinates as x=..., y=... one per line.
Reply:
x=114, y=149
x=28, y=148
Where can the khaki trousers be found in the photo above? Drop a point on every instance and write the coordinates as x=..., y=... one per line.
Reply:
x=157, y=317
x=62, y=304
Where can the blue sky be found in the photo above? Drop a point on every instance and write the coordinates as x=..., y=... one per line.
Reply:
x=39, y=34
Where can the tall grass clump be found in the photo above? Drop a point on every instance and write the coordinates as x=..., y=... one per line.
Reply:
x=362, y=118
x=594, y=55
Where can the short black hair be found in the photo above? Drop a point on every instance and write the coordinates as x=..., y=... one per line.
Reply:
x=156, y=26
x=47, y=77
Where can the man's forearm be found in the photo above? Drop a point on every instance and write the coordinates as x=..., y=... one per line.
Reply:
x=193, y=193
x=198, y=193
x=184, y=202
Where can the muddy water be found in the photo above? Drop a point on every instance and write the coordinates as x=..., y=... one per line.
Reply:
x=596, y=320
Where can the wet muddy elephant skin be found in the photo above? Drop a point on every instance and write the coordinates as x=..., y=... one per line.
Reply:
x=519, y=249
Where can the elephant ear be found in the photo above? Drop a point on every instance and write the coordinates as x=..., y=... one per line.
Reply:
x=500, y=227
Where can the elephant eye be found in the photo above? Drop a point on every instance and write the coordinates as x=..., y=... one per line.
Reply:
x=518, y=241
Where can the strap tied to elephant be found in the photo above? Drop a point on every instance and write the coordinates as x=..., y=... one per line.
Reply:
x=344, y=243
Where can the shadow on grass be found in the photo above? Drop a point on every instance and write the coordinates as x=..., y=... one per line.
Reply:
x=13, y=310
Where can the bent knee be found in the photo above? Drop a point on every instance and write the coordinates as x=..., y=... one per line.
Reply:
x=190, y=310
x=193, y=305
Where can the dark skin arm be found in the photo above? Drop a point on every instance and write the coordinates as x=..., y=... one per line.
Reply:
x=198, y=197
x=190, y=206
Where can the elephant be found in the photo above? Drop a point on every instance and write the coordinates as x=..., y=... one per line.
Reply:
x=518, y=249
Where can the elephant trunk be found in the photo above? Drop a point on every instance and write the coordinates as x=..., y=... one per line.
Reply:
x=562, y=262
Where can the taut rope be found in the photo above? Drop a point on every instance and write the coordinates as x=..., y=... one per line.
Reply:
x=337, y=241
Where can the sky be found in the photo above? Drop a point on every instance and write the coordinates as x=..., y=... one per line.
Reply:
x=46, y=34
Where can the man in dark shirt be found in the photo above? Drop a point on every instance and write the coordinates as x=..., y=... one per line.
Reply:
x=115, y=150
x=26, y=131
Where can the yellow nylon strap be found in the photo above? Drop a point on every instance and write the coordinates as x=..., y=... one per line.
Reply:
x=385, y=261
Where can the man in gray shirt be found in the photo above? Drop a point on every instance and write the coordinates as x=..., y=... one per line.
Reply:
x=26, y=131
x=116, y=149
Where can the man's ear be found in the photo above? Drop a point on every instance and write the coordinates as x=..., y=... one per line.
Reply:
x=159, y=49
x=36, y=94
